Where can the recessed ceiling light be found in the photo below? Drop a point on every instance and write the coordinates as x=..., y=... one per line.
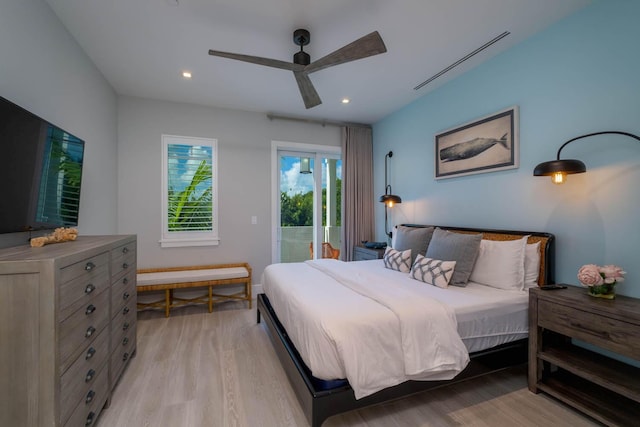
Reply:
x=346, y=100
x=186, y=74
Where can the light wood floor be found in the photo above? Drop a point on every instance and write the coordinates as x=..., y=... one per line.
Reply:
x=219, y=369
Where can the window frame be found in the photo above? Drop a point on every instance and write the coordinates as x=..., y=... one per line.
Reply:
x=189, y=238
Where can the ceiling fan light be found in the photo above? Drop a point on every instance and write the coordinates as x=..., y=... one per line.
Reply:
x=345, y=100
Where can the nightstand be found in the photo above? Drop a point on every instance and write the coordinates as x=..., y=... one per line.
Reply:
x=360, y=253
x=599, y=386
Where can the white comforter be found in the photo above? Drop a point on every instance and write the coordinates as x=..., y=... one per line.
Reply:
x=347, y=322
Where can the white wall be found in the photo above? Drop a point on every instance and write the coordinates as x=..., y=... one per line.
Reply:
x=577, y=77
x=43, y=70
x=244, y=144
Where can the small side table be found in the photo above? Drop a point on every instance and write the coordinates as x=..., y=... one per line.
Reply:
x=361, y=253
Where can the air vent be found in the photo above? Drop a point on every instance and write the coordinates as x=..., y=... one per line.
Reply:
x=461, y=60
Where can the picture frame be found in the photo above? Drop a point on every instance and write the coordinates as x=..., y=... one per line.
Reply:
x=486, y=144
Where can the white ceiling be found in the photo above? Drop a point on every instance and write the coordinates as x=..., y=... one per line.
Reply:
x=142, y=46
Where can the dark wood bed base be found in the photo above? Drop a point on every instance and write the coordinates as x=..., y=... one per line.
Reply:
x=318, y=405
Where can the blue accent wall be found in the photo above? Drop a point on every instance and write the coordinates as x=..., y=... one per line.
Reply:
x=579, y=76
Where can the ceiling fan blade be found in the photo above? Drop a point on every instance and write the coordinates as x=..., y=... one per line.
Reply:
x=369, y=45
x=275, y=63
x=308, y=92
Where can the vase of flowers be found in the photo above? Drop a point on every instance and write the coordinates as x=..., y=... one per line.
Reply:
x=601, y=281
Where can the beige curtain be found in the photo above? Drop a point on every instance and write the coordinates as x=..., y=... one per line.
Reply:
x=357, y=188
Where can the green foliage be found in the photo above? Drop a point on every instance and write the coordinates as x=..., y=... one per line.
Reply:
x=297, y=210
x=191, y=209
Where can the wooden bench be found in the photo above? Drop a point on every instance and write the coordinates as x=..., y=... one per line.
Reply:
x=172, y=278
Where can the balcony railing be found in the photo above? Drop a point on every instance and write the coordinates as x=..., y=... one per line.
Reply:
x=294, y=242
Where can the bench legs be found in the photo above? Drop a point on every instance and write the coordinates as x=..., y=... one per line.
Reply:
x=170, y=301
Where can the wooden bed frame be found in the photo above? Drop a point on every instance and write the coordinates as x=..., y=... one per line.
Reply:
x=318, y=405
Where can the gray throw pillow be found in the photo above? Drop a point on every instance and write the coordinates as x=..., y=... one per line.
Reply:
x=414, y=238
x=461, y=248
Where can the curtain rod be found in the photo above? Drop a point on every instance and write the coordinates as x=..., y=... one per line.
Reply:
x=319, y=122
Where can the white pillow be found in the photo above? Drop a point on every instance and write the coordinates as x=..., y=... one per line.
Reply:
x=432, y=271
x=531, y=265
x=397, y=260
x=500, y=264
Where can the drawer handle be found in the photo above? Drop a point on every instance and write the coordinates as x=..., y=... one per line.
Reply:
x=90, y=418
x=90, y=397
x=90, y=353
x=90, y=288
x=89, y=375
x=125, y=326
x=125, y=310
x=89, y=266
x=125, y=357
x=125, y=296
x=90, y=331
x=125, y=250
x=125, y=341
x=125, y=265
x=125, y=281
x=90, y=309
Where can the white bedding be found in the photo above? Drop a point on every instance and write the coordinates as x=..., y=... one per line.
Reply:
x=376, y=341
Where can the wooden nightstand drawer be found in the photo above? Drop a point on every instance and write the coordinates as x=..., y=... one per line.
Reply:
x=605, y=332
x=361, y=253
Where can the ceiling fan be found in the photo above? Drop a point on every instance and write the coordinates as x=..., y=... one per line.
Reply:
x=369, y=45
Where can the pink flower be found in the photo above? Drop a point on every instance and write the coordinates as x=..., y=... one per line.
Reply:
x=612, y=273
x=589, y=275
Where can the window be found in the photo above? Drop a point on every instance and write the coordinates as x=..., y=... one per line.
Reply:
x=189, y=191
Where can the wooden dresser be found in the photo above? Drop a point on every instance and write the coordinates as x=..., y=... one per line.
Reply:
x=67, y=328
x=600, y=386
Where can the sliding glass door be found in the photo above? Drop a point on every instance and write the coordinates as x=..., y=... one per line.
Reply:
x=308, y=203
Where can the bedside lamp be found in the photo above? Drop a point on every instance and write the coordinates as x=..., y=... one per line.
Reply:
x=559, y=169
x=388, y=198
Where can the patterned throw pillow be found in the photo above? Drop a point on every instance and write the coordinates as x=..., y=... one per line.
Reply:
x=396, y=260
x=432, y=271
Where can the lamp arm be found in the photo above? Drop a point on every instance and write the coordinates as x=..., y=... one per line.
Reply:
x=596, y=133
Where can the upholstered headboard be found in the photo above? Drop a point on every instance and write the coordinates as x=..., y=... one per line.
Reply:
x=547, y=245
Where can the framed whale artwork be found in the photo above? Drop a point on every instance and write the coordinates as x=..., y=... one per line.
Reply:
x=487, y=144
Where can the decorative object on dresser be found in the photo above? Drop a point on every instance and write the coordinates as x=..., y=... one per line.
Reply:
x=601, y=387
x=59, y=235
x=62, y=349
x=362, y=253
x=559, y=169
x=169, y=279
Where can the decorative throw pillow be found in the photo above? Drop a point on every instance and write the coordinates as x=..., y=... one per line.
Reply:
x=531, y=265
x=415, y=238
x=432, y=271
x=500, y=264
x=462, y=248
x=397, y=260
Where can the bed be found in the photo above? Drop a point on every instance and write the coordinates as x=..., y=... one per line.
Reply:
x=354, y=334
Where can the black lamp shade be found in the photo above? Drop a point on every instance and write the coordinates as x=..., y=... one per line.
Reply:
x=568, y=166
x=387, y=198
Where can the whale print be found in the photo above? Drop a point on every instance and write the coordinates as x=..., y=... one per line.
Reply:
x=471, y=148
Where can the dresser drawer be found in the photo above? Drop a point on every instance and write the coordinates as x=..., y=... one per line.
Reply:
x=123, y=323
x=82, y=289
x=608, y=333
x=123, y=260
x=76, y=382
x=91, y=403
x=84, y=267
x=121, y=294
x=122, y=352
x=80, y=329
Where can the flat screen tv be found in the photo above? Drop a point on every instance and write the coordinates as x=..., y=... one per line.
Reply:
x=40, y=172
